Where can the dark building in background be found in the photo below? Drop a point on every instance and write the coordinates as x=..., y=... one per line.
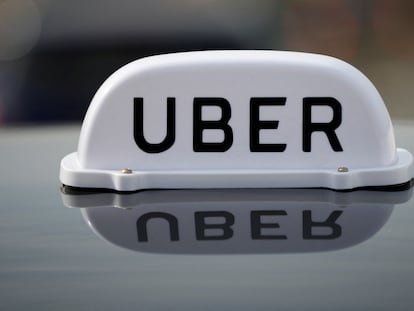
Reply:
x=54, y=55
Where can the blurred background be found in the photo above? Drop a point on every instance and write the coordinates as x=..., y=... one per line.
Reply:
x=54, y=54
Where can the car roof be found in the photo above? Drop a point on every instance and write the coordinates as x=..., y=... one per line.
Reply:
x=71, y=250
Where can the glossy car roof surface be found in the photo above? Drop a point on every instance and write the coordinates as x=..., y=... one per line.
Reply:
x=59, y=257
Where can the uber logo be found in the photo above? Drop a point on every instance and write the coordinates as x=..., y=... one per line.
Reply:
x=259, y=220
x=256, y=125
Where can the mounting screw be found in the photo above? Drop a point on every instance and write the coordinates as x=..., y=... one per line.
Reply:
x=126, y=171
x=343, y=169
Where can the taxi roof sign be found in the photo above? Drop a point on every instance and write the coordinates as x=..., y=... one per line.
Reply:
x=237, y=119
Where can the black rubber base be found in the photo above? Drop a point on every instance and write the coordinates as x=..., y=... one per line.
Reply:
x=81, y=191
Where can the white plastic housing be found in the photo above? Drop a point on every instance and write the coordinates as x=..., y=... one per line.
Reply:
x=365, y=133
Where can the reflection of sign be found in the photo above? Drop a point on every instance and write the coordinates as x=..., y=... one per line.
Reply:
x=233, y=119
x=236, y=221
x=222, y=222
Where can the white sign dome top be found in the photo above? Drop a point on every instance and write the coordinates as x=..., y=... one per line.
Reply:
x=237, y=119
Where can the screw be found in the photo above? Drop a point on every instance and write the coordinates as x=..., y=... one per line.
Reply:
x=126, y=171
x=343, y=169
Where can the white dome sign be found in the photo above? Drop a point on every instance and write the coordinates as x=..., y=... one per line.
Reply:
x=237, y=119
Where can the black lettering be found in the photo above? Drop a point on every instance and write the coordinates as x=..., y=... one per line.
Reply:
x=257, y=225
x=143, y=220
x=225, y=227
x=256, y=124
x=328, y=128
x=330, y=222
x=139, y=127
x=222, y=124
